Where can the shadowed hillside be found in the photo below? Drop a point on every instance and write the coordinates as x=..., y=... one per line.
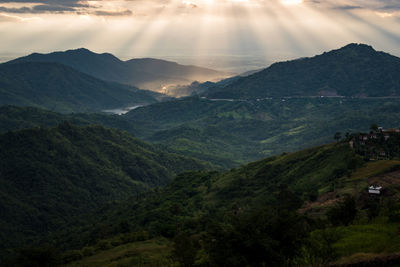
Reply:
x=60, y=88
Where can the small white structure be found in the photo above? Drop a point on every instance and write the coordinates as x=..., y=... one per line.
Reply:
x=376, y=190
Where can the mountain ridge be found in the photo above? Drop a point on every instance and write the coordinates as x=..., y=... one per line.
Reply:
x=146, y=73
x=355, y=70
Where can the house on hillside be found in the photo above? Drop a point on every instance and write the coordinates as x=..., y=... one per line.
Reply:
x=375, y=190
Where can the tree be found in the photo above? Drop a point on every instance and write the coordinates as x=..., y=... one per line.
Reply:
x=260, y=237
x=343, y=212
x=337, y=136
x=318, y=249
x=374, y=127
x=184, y=249
x=45, y=255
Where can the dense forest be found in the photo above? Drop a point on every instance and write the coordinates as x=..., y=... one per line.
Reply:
x=50, y=176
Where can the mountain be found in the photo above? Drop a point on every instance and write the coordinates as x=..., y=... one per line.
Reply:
x=48, y=177
x=356, y=70
x=60, y=88
x=146, y=73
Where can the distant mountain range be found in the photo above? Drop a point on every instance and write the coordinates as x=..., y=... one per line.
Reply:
x=145, y=73
x=60, y=88
x=356, y=70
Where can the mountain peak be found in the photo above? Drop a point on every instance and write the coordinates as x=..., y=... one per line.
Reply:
x=81, y=50
x=86, y=52
x=357, y=46
x=353, y=49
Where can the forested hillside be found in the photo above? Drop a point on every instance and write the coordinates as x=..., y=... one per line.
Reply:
x=303, y=208
x=230, y=133
x=243, y=131
x=50, y=176
x=17, y=118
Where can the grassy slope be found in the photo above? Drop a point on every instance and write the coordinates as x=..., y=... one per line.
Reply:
x=153, y=252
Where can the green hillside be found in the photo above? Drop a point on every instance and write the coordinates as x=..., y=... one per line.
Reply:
x=354, y=70
x=60, y=88
x=244, y=131
x=50, y=176
x=230, y=133
x=305, y=208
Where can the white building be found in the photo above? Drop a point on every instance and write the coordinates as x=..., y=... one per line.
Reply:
x=376, y=190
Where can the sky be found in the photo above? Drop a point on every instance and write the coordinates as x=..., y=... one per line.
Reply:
x=213, y=33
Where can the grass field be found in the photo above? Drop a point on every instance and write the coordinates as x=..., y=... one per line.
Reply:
x=363, y=242
x=154, y=252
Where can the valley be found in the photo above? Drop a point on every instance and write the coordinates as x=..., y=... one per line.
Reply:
x=271, y=168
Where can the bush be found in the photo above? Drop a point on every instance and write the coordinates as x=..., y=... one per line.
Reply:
x=343, y=212
x=72, y=255
x=103, y=245
x=87, y=251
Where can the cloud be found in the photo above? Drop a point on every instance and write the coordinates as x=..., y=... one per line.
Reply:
x=60, y=7
x=107, y=13
x=8, y=18
x=372, y=5
x=115, y=8
x=70, y=3
x=348, y=7
x=38, y=9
